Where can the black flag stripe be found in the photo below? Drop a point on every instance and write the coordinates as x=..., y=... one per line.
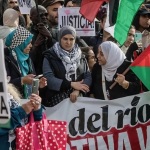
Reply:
x=1, y=87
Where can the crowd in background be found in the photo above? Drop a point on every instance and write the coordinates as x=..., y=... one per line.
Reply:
x=71, y=66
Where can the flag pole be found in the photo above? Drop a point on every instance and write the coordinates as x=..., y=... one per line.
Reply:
x=111, y=87
x=37, y=9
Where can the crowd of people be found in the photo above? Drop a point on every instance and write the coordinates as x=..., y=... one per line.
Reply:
x=71, y=66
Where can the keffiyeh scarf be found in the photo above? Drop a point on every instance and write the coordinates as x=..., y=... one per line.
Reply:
x=70, y=59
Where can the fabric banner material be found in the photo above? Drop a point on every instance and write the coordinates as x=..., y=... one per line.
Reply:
x=121, y=124
x=4, y=107
x=141, y=67
x=25, y=6
x=120, y=14
x=72, y=17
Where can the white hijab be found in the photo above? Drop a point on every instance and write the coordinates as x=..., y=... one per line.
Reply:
x=10, y=18
x=114, y=58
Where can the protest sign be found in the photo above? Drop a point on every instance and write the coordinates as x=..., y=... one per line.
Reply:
x=24, y=6
x=121, y=124
x=4, y=107
x=72, y=17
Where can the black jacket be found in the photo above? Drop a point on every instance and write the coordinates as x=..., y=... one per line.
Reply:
x=13, y=71
x=117, y=91
x=37, y=52
x=51, y=96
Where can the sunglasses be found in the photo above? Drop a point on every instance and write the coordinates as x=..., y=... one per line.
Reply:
x=44, y=14
x=11, y=2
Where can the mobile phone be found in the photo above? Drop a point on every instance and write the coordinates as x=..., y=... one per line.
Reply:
x=137, y=37
x=35, y=86
x=38, y=76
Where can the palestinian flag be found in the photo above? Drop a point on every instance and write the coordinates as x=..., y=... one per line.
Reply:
x=120, y=14
x=89, y=8
x=141, y=67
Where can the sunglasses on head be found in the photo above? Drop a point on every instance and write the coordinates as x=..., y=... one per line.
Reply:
x=11, y=2
x=44, y=14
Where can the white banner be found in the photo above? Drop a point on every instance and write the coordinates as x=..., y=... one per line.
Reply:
x=25, y=6
x=72, y=17
x=121, y=124
x=4, y=107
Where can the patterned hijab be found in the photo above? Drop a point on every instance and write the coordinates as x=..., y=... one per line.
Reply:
x=17, y=41
x=71, y=58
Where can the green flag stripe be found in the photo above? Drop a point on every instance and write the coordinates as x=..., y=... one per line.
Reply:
x=6, y=125
x=126, y=13
x=143, y=73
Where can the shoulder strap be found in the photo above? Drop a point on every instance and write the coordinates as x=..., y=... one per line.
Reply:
x=104, y=86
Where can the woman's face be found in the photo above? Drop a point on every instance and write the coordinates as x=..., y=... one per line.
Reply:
x=67, y=42
x=100, y=57
x=28, y=48
x=91, y=59
x=130, y=38
x=144, y=21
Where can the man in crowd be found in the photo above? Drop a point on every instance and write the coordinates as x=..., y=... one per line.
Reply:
x=52, y=9
x=12, y=3
x=42, y=39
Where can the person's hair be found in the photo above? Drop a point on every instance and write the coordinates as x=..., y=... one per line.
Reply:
x=77, y=2
x=137, y=18
x=103, y=17
x=33, y=9
x=136, y=21
x=14, y=92
x=66, y=2
x=85, y=51
x=112, y=39
x=16, y=8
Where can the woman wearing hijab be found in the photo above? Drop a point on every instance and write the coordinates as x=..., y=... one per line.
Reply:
x=19, y=67
x=10, y=21
x=111, y=64
x=65, y=69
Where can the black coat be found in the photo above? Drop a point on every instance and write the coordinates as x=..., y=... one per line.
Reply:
x=52, y=97
x=118, y=91
x=13, y=71
x=37, y=52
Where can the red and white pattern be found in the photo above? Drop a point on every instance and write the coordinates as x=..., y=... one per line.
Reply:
x=38, y=136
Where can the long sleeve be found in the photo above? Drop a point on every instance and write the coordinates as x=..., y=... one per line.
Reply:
x=87, y=78
x=129, y=54
x=17, y=114
x=15, y=81
x=134, y=84
x=52, y=82
x=87, y=74
x=38, y=114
